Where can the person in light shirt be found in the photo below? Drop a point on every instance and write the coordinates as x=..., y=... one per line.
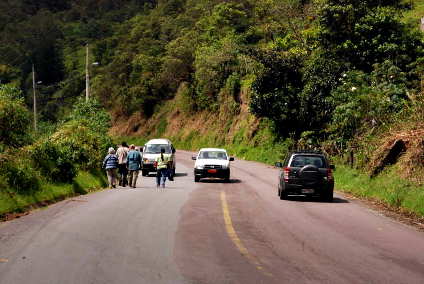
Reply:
x=122, y=154
x=162, y=164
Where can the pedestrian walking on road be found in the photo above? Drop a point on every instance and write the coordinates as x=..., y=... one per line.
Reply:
x=122, y=154
x=134, y=165
x=162, y=163
x=110, y=163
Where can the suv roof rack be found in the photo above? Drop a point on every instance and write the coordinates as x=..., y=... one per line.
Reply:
x=308, y=152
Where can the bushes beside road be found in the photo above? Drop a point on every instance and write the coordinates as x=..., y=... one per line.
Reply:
x=37, y=168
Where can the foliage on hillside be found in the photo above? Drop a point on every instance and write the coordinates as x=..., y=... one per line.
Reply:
x=78, y=144
x=317, y=70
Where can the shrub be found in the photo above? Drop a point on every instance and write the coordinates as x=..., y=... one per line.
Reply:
x=84, y=146
x=16, y=169
x=54, y=162
x=186, y=98
x=94, y=115
x=14, y=118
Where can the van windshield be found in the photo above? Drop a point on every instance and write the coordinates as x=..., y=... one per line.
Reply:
x=155, y=149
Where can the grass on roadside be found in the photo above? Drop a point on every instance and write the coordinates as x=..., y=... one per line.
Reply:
x=417, y=11
x=13, y=202
x=387, y=187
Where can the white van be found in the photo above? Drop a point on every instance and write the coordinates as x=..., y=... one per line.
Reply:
x=151, y=151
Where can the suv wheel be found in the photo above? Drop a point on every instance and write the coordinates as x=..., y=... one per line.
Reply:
x=145, y=173
x=283, y=195
x=196, y=179
x=327, y=196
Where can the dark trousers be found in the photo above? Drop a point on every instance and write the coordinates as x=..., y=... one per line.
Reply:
x=161, y=176
x=123, y=172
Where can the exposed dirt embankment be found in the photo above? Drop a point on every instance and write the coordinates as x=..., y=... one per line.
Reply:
x=229, y=123
x=403, y=148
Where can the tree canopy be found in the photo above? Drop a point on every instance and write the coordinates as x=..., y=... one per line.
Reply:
x=292, y=55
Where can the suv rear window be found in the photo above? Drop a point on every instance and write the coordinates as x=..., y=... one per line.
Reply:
x=299, y=161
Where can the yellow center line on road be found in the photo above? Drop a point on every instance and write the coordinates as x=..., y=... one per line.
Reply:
x=234, y=237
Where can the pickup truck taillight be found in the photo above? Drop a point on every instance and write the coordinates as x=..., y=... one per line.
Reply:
x=330, y=174
x=286, y=172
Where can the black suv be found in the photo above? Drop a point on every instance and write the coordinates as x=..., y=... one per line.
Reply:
x=306, y=173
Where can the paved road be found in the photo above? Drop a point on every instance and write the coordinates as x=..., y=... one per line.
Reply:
x=209, y=232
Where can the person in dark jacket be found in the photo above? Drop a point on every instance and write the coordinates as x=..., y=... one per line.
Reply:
x=134, y=166
x=110, y=163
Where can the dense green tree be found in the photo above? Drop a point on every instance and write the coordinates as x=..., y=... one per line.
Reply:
x=15, y=119
x=276, y=91
x=290, y=54
x=362, y=33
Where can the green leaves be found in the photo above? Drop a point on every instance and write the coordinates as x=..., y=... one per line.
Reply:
x=92, y=114
x=15, y=119
x=362, y=33
x=364, y=101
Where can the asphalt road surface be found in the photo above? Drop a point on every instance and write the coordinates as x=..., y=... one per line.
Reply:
x=208, y=232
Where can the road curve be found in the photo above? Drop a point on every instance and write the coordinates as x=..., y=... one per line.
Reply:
x=208, y=232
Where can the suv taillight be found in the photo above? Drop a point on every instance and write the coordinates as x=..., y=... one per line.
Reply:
x=286, y=171
x=329, y=174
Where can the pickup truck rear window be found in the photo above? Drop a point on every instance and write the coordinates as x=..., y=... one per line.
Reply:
x=299, y=161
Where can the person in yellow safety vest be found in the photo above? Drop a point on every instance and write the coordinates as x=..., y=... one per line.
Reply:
x=162, y=165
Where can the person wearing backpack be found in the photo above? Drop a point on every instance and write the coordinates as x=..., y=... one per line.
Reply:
x=134, y=166
x=110, y=164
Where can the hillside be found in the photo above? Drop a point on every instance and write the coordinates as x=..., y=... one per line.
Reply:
x=258, y=77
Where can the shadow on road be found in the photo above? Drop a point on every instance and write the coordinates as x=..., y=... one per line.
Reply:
x=315, y=199
x=176, y=175
x=220, y=181
x=340, y=200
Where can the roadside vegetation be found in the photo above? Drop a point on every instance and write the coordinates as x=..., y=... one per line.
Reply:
x=39, y=168
x=257, y=77
x=388, y=188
